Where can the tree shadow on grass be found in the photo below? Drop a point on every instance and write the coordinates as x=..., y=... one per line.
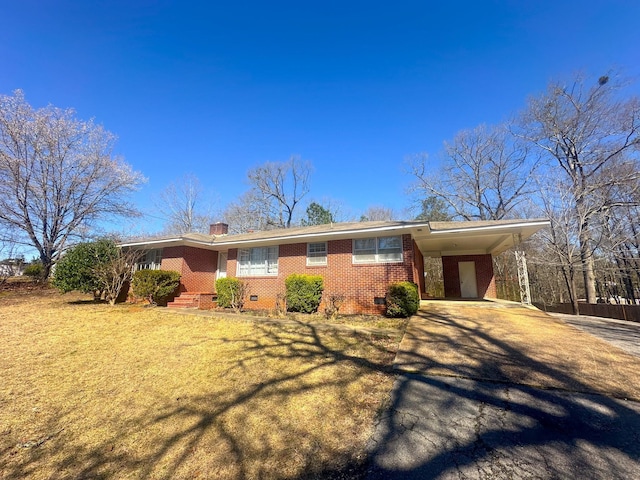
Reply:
x=236, y=432
x=87, y=302
x=472, y=420
x=434, y=427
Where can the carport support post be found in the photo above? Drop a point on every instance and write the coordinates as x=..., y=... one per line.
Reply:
x=523, y=277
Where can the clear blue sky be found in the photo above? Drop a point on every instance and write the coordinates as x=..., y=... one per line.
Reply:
x=215, y=88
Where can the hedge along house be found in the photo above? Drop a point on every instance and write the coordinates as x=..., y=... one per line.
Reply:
x=356, y=260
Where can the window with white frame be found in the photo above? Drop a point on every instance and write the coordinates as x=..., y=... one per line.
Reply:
x=257, y=261
x=377, y=250
x=316, y=254
x=150, y=260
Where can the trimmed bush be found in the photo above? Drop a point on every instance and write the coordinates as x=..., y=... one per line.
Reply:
x=402, y=299
x=155, y=285
x=231, y=293
x=303, y=292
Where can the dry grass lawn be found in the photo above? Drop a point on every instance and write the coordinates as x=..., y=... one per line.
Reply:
x=485, y=341
x=92, y=391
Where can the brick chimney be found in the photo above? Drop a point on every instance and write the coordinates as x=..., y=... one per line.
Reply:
x=218, y=228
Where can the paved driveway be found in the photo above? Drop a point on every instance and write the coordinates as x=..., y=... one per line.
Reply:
x=472, y=401
x=625, y=335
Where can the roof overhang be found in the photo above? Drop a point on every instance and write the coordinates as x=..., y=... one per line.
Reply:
x=434, y=239
x=475, y=238
x=319, y=236
x=279, y=237
x=149, y=244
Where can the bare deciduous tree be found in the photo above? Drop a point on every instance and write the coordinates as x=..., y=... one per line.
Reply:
x=560, y=247
x=378, y=213
x=181, y=204
x=281, y=185
x=251, y=212
x=484, y=174
x=277, y=189
x=57, y=175
x=591, y=138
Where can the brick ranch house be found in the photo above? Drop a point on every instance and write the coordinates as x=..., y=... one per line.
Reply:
x=358, y=260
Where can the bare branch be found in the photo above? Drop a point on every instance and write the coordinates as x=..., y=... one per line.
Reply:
x=181, y=203
x=57, y=174
x=483, y=175
x=277, y=190
x=592, y=138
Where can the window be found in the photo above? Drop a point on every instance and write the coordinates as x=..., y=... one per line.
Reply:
x=151, y=260
x=257, y=261
x=316, y=254
x=377, y=250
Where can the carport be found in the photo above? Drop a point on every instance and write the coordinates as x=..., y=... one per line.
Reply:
x=466, y=250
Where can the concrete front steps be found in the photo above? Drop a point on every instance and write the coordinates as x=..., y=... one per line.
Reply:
x=200, y=300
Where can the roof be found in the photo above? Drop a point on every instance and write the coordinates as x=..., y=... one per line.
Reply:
x=433, y=238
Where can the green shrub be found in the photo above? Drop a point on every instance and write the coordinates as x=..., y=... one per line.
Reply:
x=76, y=270
x=231, y=293
x=303, y=292
x=155, y=285
x=35, y=270
x=402, y=299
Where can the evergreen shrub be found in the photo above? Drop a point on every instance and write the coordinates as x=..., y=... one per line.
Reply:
x=155, y=285
x=76, y=270
x=231, y=293
x=35, y=270
x=402, y=299
x=303, y=292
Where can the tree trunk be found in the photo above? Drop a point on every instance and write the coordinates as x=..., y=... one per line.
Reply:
x=589, y=275
x=624, y=267
x=586, y=256
x=47, y=264
x=569, y=278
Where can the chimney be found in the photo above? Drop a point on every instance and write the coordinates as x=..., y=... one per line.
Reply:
x=218, y=228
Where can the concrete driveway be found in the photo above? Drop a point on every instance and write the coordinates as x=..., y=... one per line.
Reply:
x=478, y=397
x=625, y=335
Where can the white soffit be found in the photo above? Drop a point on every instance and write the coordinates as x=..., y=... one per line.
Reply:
x=477, y=240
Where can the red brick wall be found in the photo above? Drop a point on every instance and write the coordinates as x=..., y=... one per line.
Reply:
x=484, y=275
x=197, y=267
x=358, y=283
x=418, y=268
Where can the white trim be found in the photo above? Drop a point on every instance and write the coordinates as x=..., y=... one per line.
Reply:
x=266, y=273
x=218, y=270
x=151, y=242
x=276, y=240
x=457, y=253
x=154, y=264
x=490, y=227
x=376, y=259
x=325, y=258
x=323, y=234
x=328, y=234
